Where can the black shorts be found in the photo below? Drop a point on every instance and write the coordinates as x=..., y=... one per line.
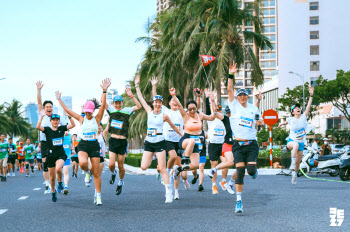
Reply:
x=248, y=153
x=74, y=159
x=195, y=148
x=21, y=160
x=155, y=147
x=11, y=159
x=31, y=161
x=92, y=148
x=173, y=146
x=51, y=160
x=44, y=149
x=215, y=151
x=39, y=160
x=102, y=159
x=118, y=146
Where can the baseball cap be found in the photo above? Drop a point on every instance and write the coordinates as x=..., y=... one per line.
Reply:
x=242, y=91
x=293, y=107
x=219, y=107
x=325, y=139
x=54, y=116
x=227, y=109
x=157, y=97
x=117, y=98
x=21, y=143
x=89, y=107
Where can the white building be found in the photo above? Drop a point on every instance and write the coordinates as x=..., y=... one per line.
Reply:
x=67, y=100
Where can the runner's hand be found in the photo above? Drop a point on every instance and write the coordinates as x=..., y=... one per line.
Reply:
x=172, y=91
x=128, y=92
x=43, y=112
x=58, y=95
x=105, y=84
x=311, y=90
x=199, y=93
x=154, y=80
x=39, y=85
x=233, y=68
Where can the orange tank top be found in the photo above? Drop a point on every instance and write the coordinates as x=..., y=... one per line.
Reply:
x=193, y=125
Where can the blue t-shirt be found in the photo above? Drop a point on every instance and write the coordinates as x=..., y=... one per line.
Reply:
x=38, y=152
x=67, y=145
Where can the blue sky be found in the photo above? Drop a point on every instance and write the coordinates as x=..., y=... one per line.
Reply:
x=71, y=45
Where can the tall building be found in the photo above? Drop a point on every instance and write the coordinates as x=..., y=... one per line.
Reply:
x=67, y=100
x=31, y=114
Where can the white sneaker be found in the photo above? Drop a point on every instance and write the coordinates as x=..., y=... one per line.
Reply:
x=187, y=185
x=48, y=191
x=98, y=201
x=82, y=172
x=229, y=188
x=294, y=178
x=176, y=197
x=9, y=174
x=175, y=172
x=161, y=181
x=95, y=199
x=292, y=167
x=168, y=198
x=87, y=180
x=13, y=174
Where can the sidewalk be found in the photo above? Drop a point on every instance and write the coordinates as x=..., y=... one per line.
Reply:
x=137, y=171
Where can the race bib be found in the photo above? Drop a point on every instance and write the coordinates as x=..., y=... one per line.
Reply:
x=101, y=152
x=57, y=142
x=151, y=132
x=117, y=124
x=2, y=149
x=300, y=133
x=200, y=147
x=246, y=122
x=219, y=132
x=65, y=146
x=178, y=127
x=196, y=139
x=91, y=136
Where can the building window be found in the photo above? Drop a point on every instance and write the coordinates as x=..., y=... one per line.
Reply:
x=248, y=65
x=266, y=64
x=272, y=3
x=266, y=20
x=273, y=72
x=239, y=83
x=266, y=29
x=273, y=55
x=314, y=50
x=313, y=81
x=266, y=12
x=248, y=83
x=314, y=34
x=314, y=20
x=272, y=12
x=273, y=29
x=249, y=91
x=250, y=100
x=248, y=23
x=313, y=5
x=273, y=64
x=272, y=20
x=315, y=66
x=248, y=74
x=267, y=73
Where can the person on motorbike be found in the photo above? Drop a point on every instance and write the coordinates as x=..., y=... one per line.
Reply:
x=326, y=148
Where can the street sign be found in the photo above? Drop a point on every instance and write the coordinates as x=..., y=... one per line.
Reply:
x=265, y=144
x=270, y=117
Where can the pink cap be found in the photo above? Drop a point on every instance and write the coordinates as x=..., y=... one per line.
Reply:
x=89, y=107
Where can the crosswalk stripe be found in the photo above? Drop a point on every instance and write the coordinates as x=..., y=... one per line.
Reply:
x=36, y=189
x=2, y=211
x=23, y=198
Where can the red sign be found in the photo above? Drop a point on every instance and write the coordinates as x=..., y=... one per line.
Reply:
x=265, y=144
x=207, y=59
x=270, y=117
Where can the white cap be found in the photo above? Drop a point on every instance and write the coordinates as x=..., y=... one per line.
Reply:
x=325, y=139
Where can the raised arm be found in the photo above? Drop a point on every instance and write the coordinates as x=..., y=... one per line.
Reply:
x=232, y=72
x=282, y=124
x=39, y=86
x=139, y=95
x=154, y=82
x=307, y=110
x=105, y=131
x=178, y=103
x=105, y=84
x=168, y=120
x=72, y=123
x=259, y=97
x=213, y=106
x=208, y=117
x=198, y=93
x=78, y=117
x=137, y=103
x=38, y=125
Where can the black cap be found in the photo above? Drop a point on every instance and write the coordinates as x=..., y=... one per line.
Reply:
x=227, y=109
x=296, y=105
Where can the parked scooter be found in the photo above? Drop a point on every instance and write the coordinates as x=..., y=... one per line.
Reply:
x=344, y=172
x=328, y=164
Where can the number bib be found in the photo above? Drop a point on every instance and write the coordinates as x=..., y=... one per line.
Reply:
x=219, y=132
x=57, y=142
x=300, y=133
x=246, y=122
x=151, y=132
x=117, y=124
x=91, y=136
x=65, y=146
x=2, y=149
x=178, y=127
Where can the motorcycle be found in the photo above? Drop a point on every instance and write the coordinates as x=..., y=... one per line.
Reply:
x=344, y=173
x=328, y=164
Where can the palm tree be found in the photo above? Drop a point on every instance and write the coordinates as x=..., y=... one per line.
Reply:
x=18, y=125
x=4, y=122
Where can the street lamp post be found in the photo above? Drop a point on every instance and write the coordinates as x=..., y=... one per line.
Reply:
x=303, y=79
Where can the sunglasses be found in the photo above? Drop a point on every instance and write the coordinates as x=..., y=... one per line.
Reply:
x=192, y=109
x=242, y=94
x=55, y=116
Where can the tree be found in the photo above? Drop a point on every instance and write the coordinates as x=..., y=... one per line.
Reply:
x=336, y=91
x=4, y=122
x=18, y=125
x=279, y=135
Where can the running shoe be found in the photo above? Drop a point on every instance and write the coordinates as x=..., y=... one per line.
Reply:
x=76, y=175
x=175, y=171
x=215, y=190
x=118, y=191
x=255, y=175
x=211, y=173
x=13, y=174
x=27, y=175
x=73, y=174
x=194, y=181
x=168, y=198
x=229, y=188
x=9, y=174
x=200, y=188
x=98, y=201
x=58, y=189
x=33, y=173
x=158, y=175
x=95, y=199
x=222, y=184
x=4, y=178
x=65, y=190
x=17, y=169
x=294, y=179
x=112, y=179
x=239, y=207
x=47, y=190
x=292, y=167
x=87, y=179
x=82, y=172
x=54, y=197
x=187, y=185
x=176, y=197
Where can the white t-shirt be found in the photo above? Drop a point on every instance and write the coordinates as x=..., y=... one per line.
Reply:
x=102, y=143
x=176, y=118
x=315, y=146
x=46, y=123
x=298, y=128
x=216, y=131
x=242, y=120
x=128, y=110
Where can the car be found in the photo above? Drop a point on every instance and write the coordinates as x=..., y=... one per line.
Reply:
x=338, y=149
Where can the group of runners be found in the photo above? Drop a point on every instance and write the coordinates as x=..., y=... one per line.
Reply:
x=176, y=131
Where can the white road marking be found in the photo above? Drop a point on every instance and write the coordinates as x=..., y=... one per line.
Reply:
x=23, y=198
x=36, y=189
x=2, y=211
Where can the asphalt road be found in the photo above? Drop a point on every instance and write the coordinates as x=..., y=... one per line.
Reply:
x=271, y=203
